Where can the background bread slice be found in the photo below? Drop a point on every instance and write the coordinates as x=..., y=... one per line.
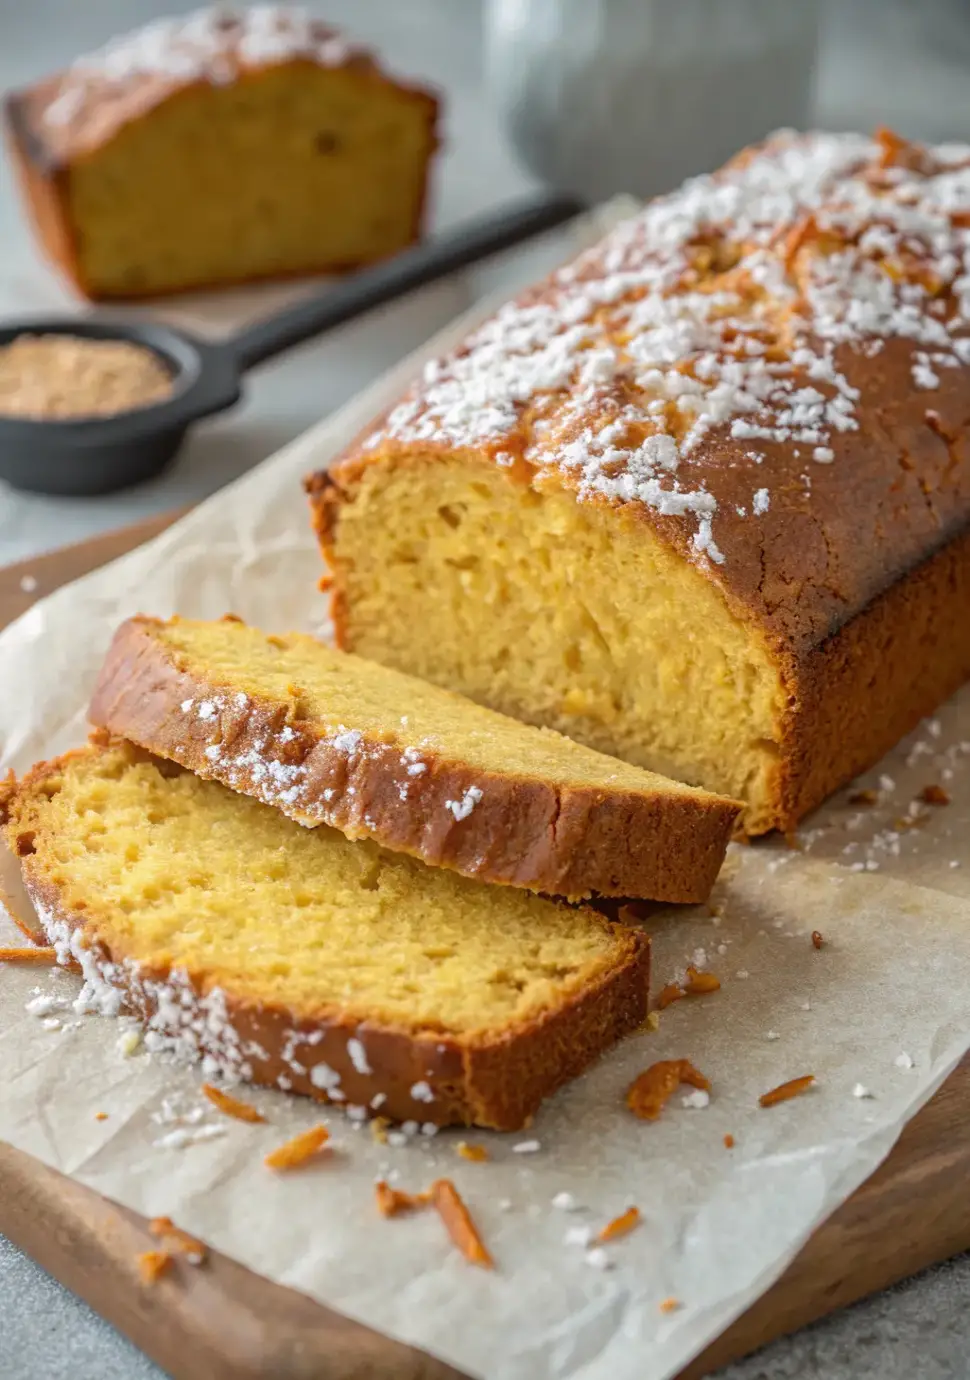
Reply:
x=331, y=738
x=298, y=959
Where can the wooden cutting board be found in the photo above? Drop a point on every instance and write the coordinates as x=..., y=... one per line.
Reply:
x=223, y=1322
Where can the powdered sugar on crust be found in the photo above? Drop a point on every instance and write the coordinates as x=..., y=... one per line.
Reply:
x=210, y=45
x=718, y=312
x=196, y=1027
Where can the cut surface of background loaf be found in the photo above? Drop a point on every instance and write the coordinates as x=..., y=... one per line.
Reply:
x=221, y=147
x=702, y=498
x=331, y=738
x=298, y=959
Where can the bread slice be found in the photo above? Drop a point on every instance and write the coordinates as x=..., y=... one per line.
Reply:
x=295, y=958
x=330, y=738
x=221, y=148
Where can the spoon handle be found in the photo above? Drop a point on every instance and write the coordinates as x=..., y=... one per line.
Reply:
x=394, y=277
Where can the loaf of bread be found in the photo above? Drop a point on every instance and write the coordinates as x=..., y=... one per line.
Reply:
x=294, y=958
x=329, y=738
x=701, y=499
x=221, y=147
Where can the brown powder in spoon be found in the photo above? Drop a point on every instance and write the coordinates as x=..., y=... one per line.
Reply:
x=62, y=376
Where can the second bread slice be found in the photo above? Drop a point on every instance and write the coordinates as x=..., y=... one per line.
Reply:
x=330, y=738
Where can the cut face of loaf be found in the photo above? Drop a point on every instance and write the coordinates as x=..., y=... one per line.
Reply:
x=221, y=148
x=297, y=959
x=701, y=499
x=334, y=739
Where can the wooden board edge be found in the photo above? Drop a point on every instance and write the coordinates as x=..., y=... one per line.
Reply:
x=217, y=1321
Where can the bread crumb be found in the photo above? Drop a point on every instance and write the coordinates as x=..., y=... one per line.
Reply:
x=934, y=795
x=698, y=1098
x=598, y=1259
x=526, y=1147
x=565, y=1202
x=904, y=1061
x=860, y=1090
x=28, y=583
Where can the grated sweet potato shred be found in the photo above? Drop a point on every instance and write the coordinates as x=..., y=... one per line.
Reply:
x=670, y=1305
x=786, y=1091
x=174, y=1238
x=153, y=1264
x=729, y=1141
x=458, y=1223
x=28, y=955
x=647, y=1095
x=471, y=1152
x=621, y=1225
x=669, y=994
x=297, y=1151
x=698, y=984
x=392, y=1201
x=231, y=1106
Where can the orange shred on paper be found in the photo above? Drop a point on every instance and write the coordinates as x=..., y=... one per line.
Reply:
x=669, y=994
x=786, y=1091
x=458, y=1223
x=153, y=1264
x=729, y=1141
x=231, y=1106
x=648, y=1093
x=699, y=984
x=34, y=954
x=297, y=1151
x=670, y=1305
x=621, y=1225
x=392, y=1201
x=469, y=1151
x=101, y=1116
x=174, y=1238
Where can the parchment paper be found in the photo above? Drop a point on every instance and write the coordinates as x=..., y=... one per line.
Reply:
x=879, y=1015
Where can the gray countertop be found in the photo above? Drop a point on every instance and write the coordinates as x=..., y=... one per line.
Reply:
x=879, y=66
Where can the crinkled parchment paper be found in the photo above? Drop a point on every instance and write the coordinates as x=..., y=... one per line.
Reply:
x=879, y=1015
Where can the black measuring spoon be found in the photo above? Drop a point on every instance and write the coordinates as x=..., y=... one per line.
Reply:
x=95, y=455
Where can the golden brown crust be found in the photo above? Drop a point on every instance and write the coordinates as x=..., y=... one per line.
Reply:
x=855, y=575
x=497, y=1080
x=42, y=155
x=524, y=831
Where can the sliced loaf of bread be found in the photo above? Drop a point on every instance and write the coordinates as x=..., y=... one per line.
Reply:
x=298, y=959
x=330, y=738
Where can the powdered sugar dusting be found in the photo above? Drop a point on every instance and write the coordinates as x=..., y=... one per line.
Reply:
x=208, y=45
x=717, y=312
